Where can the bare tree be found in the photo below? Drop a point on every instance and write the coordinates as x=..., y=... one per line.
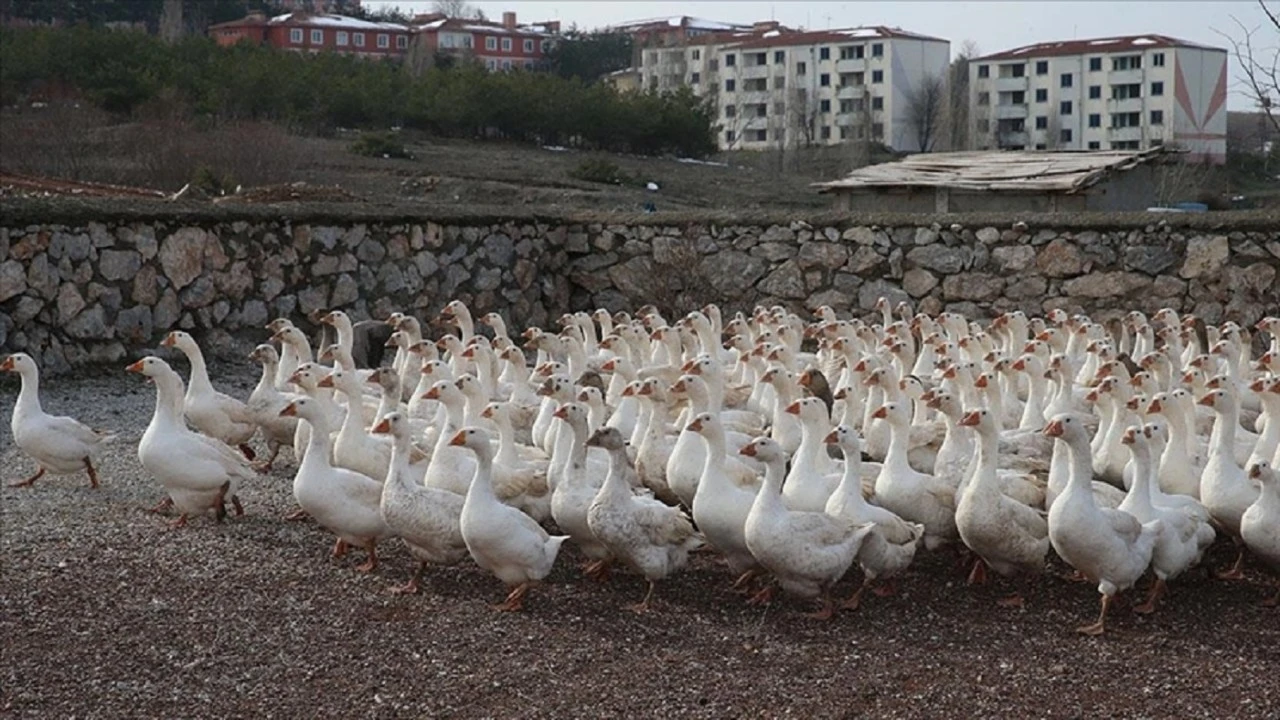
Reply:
x=956, y=125
x=925, y=108
x=802, y=116
x=457, y=9
x=1260, y=62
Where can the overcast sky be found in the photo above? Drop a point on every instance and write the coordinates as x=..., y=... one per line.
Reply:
x=994, y=26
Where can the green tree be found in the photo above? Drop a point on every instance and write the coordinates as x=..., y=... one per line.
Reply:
x=590, y=56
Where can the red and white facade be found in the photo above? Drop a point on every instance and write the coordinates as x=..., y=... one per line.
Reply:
x=1118, y=93
x=498, y=46
x=305, y=32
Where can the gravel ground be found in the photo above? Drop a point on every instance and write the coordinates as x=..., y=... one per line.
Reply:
x=105, y=613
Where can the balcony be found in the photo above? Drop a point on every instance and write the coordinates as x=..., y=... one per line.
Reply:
x=1007, y=112
x=1011, y=83
x=753, y=71
x=1124, y=133
x=1125, y=77
x=851, y=65
x=851, y=92
x=1125, y=106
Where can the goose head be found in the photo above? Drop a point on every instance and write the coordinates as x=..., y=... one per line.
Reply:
x=150, y=366
x=278, y=324
x=20, y=363
x=608, y=438
x=764, y=449
x=265, y=354
x=574, y=414
x=474, y=439
x=1070, y=427
x=385, y=378
x=180, y=340
x=394, y=424
x=981, y=420
x=893, y=412
x=446, y=392
x=847, y=439
x=1262, y=474
x=811, y=411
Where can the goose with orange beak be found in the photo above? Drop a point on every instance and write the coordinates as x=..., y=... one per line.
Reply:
x=59, y=445
x=1260, y=524
x=500, y=538
x=198, y=472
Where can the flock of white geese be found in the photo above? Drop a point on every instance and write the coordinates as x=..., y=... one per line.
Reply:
x=793, y=449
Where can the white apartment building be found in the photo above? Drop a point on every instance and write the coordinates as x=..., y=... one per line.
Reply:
x=1120, y=93
x=778, y=88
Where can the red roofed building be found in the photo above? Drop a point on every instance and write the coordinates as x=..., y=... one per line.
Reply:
x=1117, y=93
x=308, y=32
x=498, y=46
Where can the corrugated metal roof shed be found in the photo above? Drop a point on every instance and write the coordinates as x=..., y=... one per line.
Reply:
x=997, y=171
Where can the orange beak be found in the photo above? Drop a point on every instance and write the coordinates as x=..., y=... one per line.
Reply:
x=135, y=367
x=382, y=428
x=470, y=352
x=373, y=379
x=609, y=365
x=325, y=382
x=1129, y=437
x=1054, y=429
x=1207, y=401
x=1155, y=407
x=749, y=450
x=841, y=394
x=290, y=410
x=695, y=426
x=431, y=394
x=645, y=390
x=562, y=412
x=628, y=391
x=794, y=408
x=970, y=419
x=687, y=367
x=1019, y=364
x=1257, y=385
x=459, y=439
x=831, y=438
x=981, y=382
x=881, y=413
x=805, y=379
x=1092, y=396
x=168, y=340
x=1255, y=471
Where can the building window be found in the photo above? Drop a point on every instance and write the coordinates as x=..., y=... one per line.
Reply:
x=877, y=131
x=695, y=78
x=317, y=37
x=696, y=54
x=824, y=106
x=491, y=43
x=1042, y=95
x=1042, y=122
x=1123, y=120
x=728, y=136
x=730, y=60
x=340, y=38
x=1066, y=80
x=1157, y=89
x=984, y=71
x=1095, y=92
x=1065, y=135
x=824, y=53
x=824, y=80
x=384, y=40
x=825, y=132
x=1127, y=62
x=1157, y=142
x=359, y=38
x=402, y=41
x=762, y=110
x=877, y=49
x=506, y=64
x=779, y=82
x=1126, y=92
x=852, y=52
x=846, y=106
x=1064, y=107
x=877, y=103
x=528, y=64
x=761, y=135
x=1095, y=145
x=984, y=98
x=1125, y=145
x=295, y=36
x=528, y=46
x=491, y=64
x=800, y=68
x=1042, y=67
x=1157, y=117
x=779, y=57
x=730, y=111
x=1157, y=60
x=506, y=44
x=1095, y=64
x=729, y=85
x=1095, y=120
x=877, y=76
x=1040, y=146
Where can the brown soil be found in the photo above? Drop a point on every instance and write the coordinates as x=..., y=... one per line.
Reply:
x=106, y=613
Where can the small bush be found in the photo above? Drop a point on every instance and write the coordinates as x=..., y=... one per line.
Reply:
x=599, y=170
x=382, y=145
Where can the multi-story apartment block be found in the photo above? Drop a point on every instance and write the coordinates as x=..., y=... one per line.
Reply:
x=1122, y=93
x=498, y=46
x=774, y=87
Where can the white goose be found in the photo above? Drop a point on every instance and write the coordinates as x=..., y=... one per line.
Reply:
x=266, y=402
x=806, y=552
x=213, y=413
x=646, y=534
x=720, y=506
x=1224, y=489
x=1260, y=524
x=428, y=520
x=1109, y=547
x=60, y=445
x=500, y=538
x=198, y=472
x=913, y=495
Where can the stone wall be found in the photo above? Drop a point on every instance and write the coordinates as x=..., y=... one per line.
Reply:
x=81, y=285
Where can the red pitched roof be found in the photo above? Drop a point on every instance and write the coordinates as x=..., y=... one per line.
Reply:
x=814, y=37
x=1133, y=43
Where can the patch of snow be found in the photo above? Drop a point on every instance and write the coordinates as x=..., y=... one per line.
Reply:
x=652, y=187
x=555, y=148
x=1143, y=41
x=695, y=161
x=337, y=21
x=772, y=33
x=860, y=32
x=1104, y=41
